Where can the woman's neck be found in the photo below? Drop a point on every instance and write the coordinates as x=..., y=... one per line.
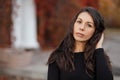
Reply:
x=79, y=46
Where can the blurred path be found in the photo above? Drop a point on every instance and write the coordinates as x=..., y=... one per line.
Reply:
x=112, y=48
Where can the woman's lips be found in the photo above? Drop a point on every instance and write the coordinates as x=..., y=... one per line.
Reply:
x=79, y=34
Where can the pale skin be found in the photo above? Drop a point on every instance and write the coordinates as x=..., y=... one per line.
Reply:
x=84, y=28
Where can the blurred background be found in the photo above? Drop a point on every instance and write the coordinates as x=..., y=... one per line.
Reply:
x=31, y=29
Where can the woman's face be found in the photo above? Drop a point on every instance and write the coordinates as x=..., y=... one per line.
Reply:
x=83, y=27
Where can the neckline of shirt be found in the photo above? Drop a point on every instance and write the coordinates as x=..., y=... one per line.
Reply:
x=78, y=52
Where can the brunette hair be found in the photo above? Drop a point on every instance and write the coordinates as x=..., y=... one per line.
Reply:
x=63, y=55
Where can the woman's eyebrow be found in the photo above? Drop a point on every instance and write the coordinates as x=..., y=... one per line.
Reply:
x=90, y=22
x=87, y=21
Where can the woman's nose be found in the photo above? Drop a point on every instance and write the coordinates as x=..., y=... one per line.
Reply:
x=82, y=27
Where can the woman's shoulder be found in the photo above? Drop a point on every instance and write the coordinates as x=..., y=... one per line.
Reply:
x=99, y=51
x=55, y=55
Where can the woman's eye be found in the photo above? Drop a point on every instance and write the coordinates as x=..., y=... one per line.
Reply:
x=79, y=22
x=89, y=25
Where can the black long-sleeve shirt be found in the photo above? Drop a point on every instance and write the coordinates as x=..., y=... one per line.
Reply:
x=102, y=70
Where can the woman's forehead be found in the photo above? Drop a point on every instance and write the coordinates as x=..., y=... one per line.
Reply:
x=85, y=16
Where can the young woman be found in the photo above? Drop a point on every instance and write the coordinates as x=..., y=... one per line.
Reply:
x=80, y=55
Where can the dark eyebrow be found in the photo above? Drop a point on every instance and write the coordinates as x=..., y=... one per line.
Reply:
x=87, y=22
x=91, y=23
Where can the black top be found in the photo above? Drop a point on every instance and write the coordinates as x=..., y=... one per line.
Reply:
x=102, y=70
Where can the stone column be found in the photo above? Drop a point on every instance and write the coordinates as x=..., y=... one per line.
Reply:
x=24, y=24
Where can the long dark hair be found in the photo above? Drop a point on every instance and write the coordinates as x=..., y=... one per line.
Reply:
x=63, y=55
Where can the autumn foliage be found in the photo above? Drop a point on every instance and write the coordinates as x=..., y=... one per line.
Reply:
x=5, y=23
x=54, y=17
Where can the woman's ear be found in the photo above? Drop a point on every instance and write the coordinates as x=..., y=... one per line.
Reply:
x=100, y=42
